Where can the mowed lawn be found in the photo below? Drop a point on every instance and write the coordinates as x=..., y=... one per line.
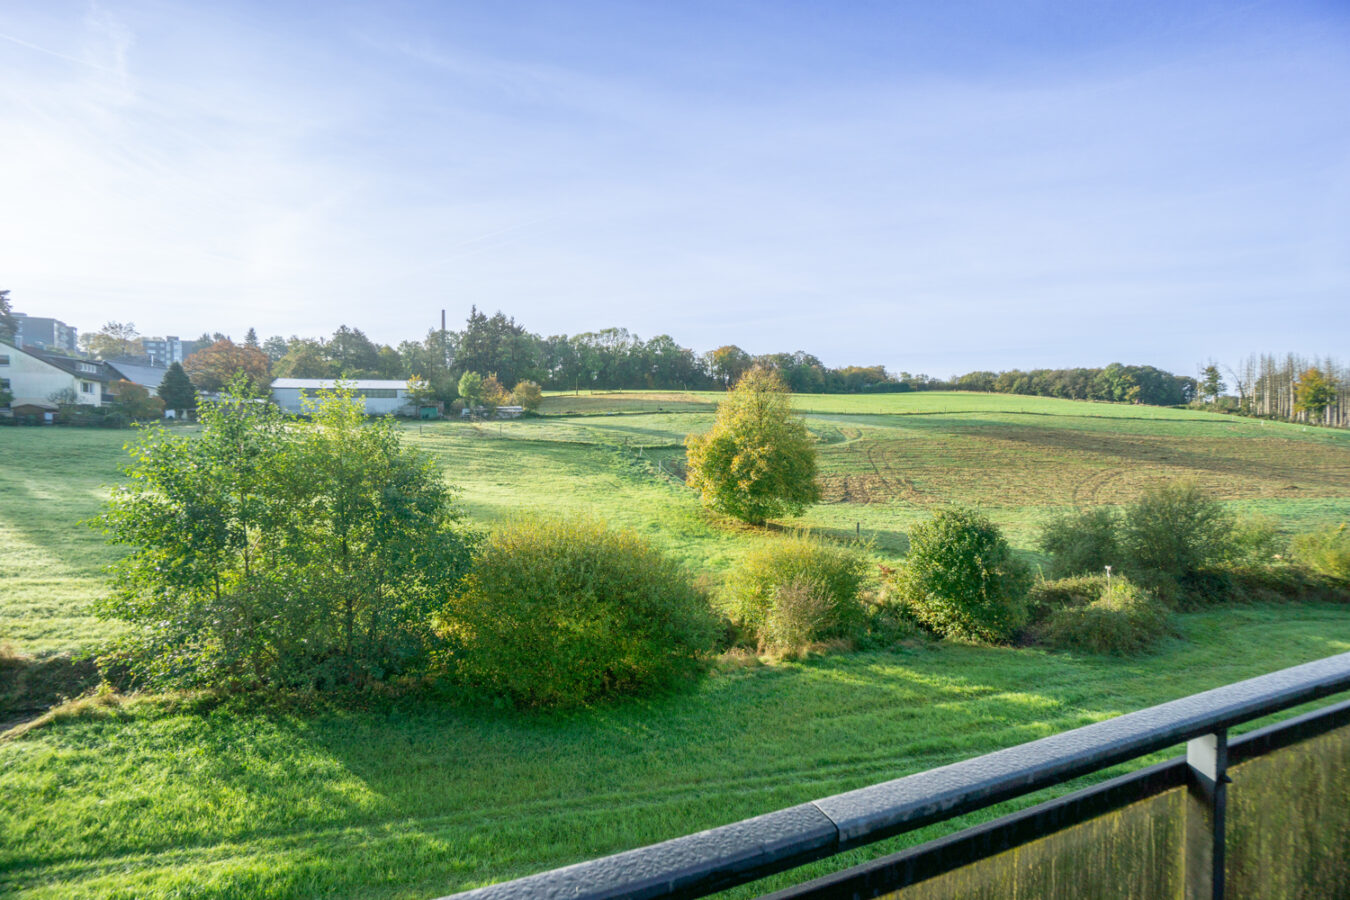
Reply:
x=169, y=798
x=51, y=564
x=419, y=801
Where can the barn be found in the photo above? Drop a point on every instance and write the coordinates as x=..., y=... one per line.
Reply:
x=382, y=398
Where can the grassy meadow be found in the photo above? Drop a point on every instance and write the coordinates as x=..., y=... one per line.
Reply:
x=192, y=797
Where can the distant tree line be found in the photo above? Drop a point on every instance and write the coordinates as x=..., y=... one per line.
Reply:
x=1290, y=387
x=1117, y=383
x=609, y=359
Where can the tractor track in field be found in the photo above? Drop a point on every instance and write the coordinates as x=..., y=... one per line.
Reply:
x=880, y=764
x=1090, y=490
x=898, y=486
x=876, y=482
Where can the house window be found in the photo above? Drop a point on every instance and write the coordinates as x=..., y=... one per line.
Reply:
x=4, y=360
x=379, y=393
x=4, y=384
x=86, y=367
x=86, y=387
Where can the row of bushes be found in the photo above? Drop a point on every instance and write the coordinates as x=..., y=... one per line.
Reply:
x=1174, y=529
x=1178, y=546
x=77, y=415
x=270, y=556
x=960, y=580
x=563, y=612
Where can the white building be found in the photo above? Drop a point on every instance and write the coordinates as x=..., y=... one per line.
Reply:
x=36, y=378
x=382, y=397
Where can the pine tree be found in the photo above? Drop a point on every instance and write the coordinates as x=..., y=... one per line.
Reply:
x=176, y=389
x=1211, y=383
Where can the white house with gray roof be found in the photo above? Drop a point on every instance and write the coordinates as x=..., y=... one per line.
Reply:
x=148, y=377
x=37, y=379
x=382, y=397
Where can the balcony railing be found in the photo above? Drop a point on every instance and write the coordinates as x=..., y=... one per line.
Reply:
x=709, y=861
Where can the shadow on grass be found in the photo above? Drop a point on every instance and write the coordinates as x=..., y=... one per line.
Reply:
x=30, y=686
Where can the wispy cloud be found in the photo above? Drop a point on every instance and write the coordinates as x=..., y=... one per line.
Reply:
x=759, y=177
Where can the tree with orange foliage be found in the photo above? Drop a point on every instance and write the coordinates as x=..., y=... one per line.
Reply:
x=211, y=368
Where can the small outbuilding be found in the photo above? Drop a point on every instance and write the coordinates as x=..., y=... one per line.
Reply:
x=381, y=397
x=34, y=410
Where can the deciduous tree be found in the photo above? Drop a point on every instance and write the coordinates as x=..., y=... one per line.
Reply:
x=758, y=461
x=113, y=340
x=471, y=389
x=305, y=359
x=211, y=368
x=268, y=555
x=421, y=391
x=494, y=392
x=136, y=402
x=274, y=347
x=729, y=363
x=1314, y=392
x=527, y=394
x=353, y=353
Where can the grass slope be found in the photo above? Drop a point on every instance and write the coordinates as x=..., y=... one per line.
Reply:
x=417, y=802
x=51, y=566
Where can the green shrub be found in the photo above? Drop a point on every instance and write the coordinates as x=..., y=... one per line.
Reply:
x=1273, y=584
x=887, y=624
x=1125, y=620
x=801, y=611
x=1049, y=597
x=1082, y=542
x=1326, y=552
x=797, y=590
x=1255, y=540
x=269, y=554
x=961, y=580
x=1177, y=529
x=563, y=612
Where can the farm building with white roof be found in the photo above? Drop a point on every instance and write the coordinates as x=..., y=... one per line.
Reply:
x=382, y=397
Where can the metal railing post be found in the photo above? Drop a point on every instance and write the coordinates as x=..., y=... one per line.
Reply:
x=1207, y=757
x=699, y=864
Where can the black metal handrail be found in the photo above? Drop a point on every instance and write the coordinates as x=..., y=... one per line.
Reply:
x=699, y=864
x=914, y=864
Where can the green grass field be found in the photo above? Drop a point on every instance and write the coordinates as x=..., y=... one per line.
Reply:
x=179, y=798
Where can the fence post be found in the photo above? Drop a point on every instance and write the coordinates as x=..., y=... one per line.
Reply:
x=1207, y=757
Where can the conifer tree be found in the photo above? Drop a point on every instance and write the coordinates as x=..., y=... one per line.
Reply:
x=176, y=389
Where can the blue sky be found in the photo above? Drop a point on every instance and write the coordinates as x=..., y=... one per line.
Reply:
x=935, y=187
